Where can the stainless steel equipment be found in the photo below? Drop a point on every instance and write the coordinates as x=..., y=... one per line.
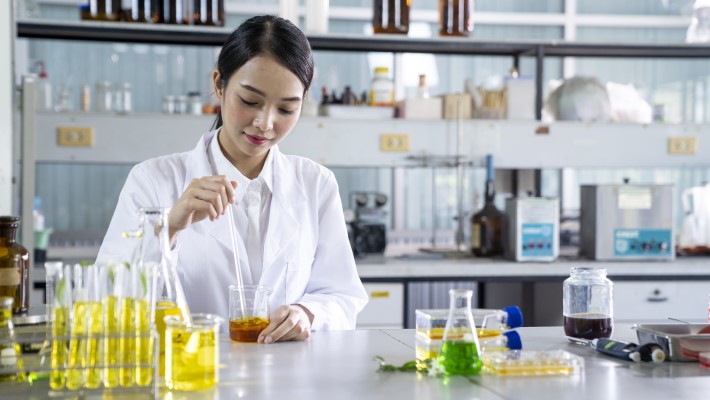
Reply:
x=627, y=222
x=681, y=342
x=532, y=229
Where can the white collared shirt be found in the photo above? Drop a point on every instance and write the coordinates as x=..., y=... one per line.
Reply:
x=266, y=179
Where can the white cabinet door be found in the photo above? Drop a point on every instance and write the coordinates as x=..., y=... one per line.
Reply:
x=656, y=301
x=385, y=308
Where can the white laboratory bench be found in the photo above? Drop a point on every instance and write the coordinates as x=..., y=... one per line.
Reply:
x=340, y=365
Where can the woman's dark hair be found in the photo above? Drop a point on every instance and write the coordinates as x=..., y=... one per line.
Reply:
x=265, y=35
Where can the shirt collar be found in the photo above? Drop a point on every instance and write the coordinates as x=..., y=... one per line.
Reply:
x=226, y=168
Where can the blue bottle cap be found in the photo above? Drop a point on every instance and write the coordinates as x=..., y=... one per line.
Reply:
x=515, y=317
x=514, y=340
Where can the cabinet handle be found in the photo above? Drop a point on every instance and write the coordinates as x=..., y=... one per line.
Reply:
x=656, y=299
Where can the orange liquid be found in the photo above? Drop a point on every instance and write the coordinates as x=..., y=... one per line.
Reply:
x=246, y=329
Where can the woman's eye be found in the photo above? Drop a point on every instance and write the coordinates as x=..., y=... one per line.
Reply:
x=247, y=103
x=286, y=112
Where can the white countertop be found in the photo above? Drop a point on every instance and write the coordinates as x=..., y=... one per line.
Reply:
x=375, y=268
x=339, y=365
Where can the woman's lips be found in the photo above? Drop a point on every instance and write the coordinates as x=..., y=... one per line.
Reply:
x=255, y=139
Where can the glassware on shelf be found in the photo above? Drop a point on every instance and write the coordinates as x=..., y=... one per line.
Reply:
x=123, y=98
x=103, y=97
x=104, y=10
x=487, y=223
x=85, y=100
x=587, y=303
x=455, y=17
x=171, y=11
x=208, y=12
x=169, y=104
x=381, y=88
x=138, y=11
x=181, y=104
x=14, y=265
x=391, y=16
x=64, y=99
x=195, y=103
x=460, y=351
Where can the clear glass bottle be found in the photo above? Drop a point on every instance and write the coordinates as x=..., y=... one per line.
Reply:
x=487, y=224
x=460, y=351
x=381, y=88
x=11, y=366
x=422, y=89
x=103, y=97
x=123, y=98
x=391, y=16
x=14, y=265
x=155, y=257
x=455, y=17
x=587, y=303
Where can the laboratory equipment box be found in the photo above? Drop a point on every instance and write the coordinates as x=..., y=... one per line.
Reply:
x=532, y=228
x=627, y=222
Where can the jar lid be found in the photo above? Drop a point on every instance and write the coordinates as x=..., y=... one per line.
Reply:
x=10, y=219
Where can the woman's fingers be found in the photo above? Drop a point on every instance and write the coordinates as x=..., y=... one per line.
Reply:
x=287, y=323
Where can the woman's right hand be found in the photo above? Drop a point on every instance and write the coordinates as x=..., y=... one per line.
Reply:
x=206, y=197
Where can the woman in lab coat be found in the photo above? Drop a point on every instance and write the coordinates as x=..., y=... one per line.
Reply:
x=287, y=209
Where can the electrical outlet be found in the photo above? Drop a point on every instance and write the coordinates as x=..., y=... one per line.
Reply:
x=75, y=136
x=683, y=145
x=394, y=142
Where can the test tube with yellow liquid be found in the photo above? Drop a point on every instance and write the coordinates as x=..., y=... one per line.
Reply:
x=77, y=363
x=142, y=275
x=94, y=354
x=126, y=329
x=108, y=278
x=60, y=327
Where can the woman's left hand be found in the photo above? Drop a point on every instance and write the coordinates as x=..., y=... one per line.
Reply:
x=288, y=322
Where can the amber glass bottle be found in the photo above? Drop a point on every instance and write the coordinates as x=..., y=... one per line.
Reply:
x=455, y=17
x=208, y=12
x=104, y=10
x=138, y=11
x=14, y=266
x=487, y=224
x=391, y=16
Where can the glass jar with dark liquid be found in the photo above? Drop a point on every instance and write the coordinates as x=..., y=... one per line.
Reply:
x=587, y=303
x=455, y=17
x=391, y=16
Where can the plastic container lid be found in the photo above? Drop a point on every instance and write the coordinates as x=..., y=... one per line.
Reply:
x=514, y=340
x=515, y=316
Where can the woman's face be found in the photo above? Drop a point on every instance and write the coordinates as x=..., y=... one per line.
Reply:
x=261, y=103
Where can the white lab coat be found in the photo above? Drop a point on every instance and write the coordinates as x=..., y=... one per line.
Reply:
x=307, y=257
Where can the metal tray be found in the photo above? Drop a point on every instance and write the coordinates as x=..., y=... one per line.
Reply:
x=681, y=342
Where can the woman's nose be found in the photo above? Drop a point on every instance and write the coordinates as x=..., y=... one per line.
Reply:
x=263, y=122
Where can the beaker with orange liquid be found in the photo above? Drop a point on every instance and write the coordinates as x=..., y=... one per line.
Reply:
x=248, y=311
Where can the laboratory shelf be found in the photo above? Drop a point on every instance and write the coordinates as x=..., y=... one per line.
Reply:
x=215, y=36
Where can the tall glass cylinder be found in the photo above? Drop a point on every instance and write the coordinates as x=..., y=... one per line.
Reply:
x=391, y=16
x=587, y=303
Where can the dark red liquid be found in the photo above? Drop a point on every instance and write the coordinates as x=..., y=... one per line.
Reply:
x=588, y=326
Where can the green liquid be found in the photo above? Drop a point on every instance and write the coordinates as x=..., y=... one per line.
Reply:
x=459, y=358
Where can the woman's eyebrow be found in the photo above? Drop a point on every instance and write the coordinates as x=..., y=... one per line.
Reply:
x=259, y=92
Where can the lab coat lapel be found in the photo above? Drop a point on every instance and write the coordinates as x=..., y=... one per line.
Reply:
x=288, y=200
x=199, y=166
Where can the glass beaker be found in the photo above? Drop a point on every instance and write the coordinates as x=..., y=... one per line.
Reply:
x=10, y=364
x=460, y=351
x=248, y=311
x=587, y=303
x=192, y=356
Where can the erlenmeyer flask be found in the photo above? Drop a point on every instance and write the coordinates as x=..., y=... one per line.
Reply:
x=155, y=257
x=460, y=352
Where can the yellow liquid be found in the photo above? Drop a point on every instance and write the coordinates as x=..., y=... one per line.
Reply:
x=163, y=309
x=10, y=361
x=77, y=347
x=59, y=348
x=144, y=345
x=126, y=343
x=191, y=358
x=93, y=374
x=110, y=349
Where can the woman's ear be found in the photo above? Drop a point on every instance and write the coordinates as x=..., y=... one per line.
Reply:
x=217, y=82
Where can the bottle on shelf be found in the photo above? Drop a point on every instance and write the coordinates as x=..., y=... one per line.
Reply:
x=391, y=16
x=137, y=11
x=104, y=10
x=14, y=265
x=382, y=88
x=171, y=11
x=422, y=89
x=487, y=224
x=455, y=17
x=208, y=12
x=44, y=89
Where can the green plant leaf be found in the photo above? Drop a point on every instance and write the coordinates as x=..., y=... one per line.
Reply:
x=61, y=287
x=144, y=283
